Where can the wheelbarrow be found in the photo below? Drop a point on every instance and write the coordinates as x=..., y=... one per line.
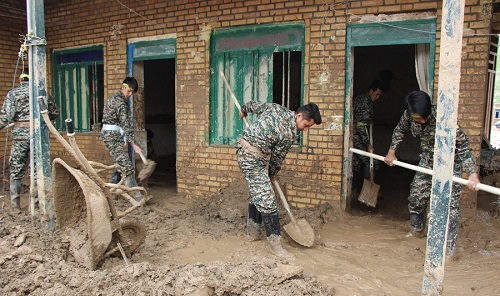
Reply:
x=83, y=206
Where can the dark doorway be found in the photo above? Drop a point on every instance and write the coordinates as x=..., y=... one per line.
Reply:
x=395, y=66
x=159, y=97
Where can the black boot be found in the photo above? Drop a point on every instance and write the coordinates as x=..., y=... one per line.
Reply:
x=273, y=233
x=131, y=182
x=254, y=223
x=15, y=194
x=116, y=177
x=417, y=224
x=451, y=240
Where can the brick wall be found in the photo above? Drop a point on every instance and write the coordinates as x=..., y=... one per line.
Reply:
x=313, y=173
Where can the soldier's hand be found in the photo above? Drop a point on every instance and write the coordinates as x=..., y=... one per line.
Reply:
x=473, y=181
x=137, y=149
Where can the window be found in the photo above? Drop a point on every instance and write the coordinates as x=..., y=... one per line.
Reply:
x=79, y=87
x=261, y=63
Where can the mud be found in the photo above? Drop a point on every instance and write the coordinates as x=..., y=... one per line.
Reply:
x=198, y=247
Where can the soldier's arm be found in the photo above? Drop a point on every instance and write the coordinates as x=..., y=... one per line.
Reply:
x=126, y=125
x=464, y=153
x=400, y=130
x=6, y=114
x=277, y=157
x=253, y=107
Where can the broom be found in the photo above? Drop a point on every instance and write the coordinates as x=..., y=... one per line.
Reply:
x=149, y=168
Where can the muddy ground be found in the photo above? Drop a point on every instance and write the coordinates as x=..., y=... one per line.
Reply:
x=198, y=247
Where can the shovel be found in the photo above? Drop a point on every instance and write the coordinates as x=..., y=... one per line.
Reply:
x=369, y=192
x=148, y=169
x=300, y=231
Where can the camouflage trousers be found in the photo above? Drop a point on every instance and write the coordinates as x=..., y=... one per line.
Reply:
x=120, y=155
x=359, y=162
x=255, y=171
x=420, y=190
x=18, y=158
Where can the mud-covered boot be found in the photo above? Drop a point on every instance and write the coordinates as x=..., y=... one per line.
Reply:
x=116, y=177
x=254, y=223
x=15, y=194
x=273, y=233
x=131, y=182
x=417, y=225
x=451, y=240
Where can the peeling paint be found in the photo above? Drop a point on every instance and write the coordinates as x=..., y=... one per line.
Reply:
x=205, y=32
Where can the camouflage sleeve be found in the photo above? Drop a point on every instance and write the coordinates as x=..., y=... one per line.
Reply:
x=277, y=157
x=122, y=112
x=464, y=153
x=52, y=108
x=253, y=107
x=6, y=114
x=400, y=130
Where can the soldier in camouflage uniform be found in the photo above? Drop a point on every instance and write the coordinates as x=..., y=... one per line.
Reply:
x=261, y=151
x=420, y=119
x=363, y=116
x=15, y=110
x=117, y=131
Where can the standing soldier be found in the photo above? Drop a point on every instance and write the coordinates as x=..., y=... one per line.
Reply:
x=420, y=119
x=16, y=110
x=363, y=116
x=117, y=131
x=261, y=151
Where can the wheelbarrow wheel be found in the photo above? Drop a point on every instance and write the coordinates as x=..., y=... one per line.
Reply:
x=134, y=235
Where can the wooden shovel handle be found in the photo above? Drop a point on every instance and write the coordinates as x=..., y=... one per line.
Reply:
x=235, y=100
x=144, y=160
x=283, y=200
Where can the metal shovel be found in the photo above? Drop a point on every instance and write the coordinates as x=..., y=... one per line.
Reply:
x=369, y=192
x=300, y=231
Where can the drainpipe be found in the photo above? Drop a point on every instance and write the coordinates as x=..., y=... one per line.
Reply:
x=452, y=23
x=39, y=144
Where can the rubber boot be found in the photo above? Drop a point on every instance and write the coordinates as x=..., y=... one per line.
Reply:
x=254, y=223
x=451, y=240
x=417, y=224
x=15, y=194
x=131, y=182
x=116, y=177
x=273, y=233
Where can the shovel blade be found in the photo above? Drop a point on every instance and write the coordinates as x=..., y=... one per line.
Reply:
x=369, y=193
x=301, y=232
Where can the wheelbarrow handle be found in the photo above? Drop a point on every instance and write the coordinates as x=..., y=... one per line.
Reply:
x=483, y=187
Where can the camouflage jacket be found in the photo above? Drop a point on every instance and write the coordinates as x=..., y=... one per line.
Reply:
x=426, y=133
x=273, y=132
x=16, y=108
x=116, y=112
x=363, y=114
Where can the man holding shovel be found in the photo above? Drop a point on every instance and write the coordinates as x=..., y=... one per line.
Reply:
x=363, y=116
x=261, y=151
x=420, y=119
x=117, y=132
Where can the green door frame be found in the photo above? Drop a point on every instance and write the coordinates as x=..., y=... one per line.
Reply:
x=374, y=34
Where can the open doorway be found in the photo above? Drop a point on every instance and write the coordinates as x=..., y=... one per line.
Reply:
x=159, y=102
x=399, y=78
